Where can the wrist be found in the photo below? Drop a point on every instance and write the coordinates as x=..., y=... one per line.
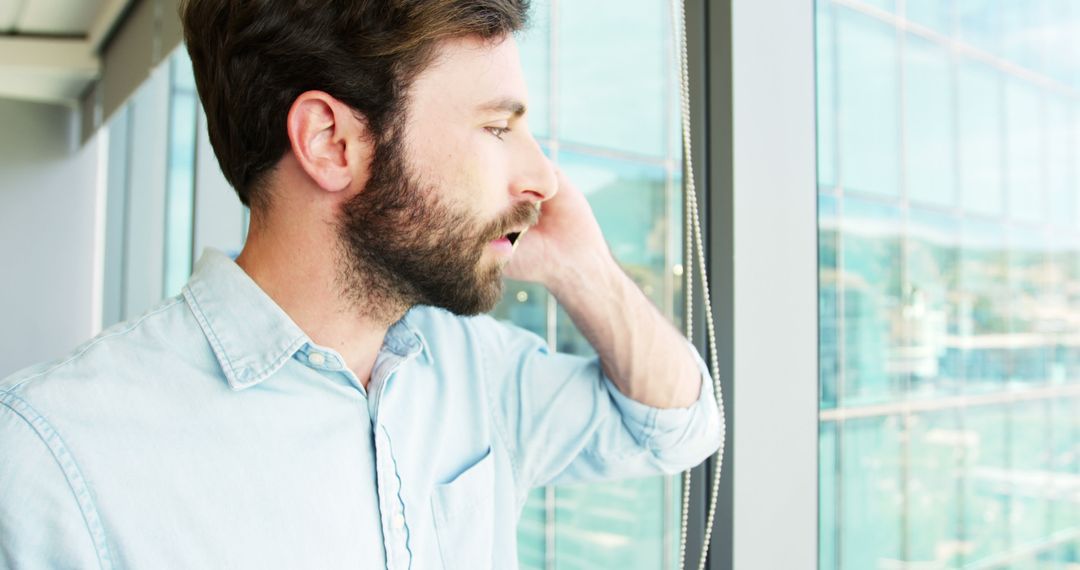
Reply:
x=594, y=272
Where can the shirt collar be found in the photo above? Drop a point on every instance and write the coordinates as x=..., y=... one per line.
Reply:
x=251, y=336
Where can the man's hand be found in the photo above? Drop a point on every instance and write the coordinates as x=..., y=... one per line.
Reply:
x=566, y=237
x=642, y=353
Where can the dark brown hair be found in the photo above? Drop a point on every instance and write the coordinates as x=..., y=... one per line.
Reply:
x=252, y=58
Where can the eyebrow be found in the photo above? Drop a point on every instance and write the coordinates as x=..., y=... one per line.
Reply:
x=507, y=105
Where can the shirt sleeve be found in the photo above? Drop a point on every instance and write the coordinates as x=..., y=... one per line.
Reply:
x=563, y=421
x=41, y=522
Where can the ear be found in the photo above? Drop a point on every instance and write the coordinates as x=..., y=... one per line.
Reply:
x=329, y=142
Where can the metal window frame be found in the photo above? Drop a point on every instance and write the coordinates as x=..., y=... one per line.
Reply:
x=754, y=117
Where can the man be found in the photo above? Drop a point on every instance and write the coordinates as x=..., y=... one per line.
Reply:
x=330, y=398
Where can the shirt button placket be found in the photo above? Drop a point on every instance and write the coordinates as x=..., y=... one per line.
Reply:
x=394, y=532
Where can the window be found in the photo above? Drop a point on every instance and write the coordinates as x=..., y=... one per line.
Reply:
x=949, y=134
x=603, y=104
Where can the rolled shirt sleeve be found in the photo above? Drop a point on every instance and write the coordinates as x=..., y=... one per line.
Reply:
x=681, y=437
x=563, y=421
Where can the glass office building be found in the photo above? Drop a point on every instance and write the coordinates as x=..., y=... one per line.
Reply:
x=949, y=220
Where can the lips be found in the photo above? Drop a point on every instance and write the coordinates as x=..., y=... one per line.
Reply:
x=515, y=234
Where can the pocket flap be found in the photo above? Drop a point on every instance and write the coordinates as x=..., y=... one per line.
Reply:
x=469, y=491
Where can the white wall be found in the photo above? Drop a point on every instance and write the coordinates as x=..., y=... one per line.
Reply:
x=47, y=207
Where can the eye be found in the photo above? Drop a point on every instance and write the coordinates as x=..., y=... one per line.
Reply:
x=498, y=132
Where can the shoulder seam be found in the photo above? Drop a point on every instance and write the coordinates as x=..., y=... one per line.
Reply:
x=92, y=344
x=68, y=466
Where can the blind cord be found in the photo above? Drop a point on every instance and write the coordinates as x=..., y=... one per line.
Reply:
x=696, y=252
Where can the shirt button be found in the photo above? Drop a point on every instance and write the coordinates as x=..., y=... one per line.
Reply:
x=398, y=522
x=316, y=358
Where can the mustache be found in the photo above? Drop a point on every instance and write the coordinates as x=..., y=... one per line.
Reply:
x=523, y=214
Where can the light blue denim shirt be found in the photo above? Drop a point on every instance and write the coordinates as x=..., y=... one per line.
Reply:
x=212, y=433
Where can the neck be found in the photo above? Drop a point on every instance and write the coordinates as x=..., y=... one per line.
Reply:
x=317, y=288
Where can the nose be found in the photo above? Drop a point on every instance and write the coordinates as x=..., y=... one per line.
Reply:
x=534, y=178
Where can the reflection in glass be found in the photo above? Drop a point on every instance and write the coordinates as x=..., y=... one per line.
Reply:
x=826, y=95
x=828, y=482
x=614, y=74
x=828, y=301
x=983, y=310
x=868, y=89
x=872, y=495
x=612, y=525
x=1023, y=125
x=534, y=44
x=1028, y=478
x=1029, y=343
x=986, y=490
x=979, y=120
x=1059, y=183
x=929, y=132
x=933, y=14
x=871, y=288
x=937, y=443
x=930, y=353
x=950, y=359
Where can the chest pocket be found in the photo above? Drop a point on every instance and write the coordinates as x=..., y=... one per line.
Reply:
x=463, y=512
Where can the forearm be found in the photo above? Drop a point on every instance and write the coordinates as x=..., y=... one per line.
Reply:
x=643, y=353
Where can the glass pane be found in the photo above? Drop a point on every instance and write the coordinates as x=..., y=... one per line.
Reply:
x=889, y=5
x=869, y=104
x=929, y=313
x=1027, y=271
x=1067, y=260
x=532, y=532
x=978, y=23
x=1017, y=20
x=956, y=294
x=1064, y=463
x=871, y=299
x=983, y=318
x=928, y=141
x=986, y=499
x=828, y=301
x=979, y=120
x=619, y=524
x=933, y=498
x=872, y=492
x=524, y=304
x=1029, y=443
x=826, y=95
x=828, y=523
x=933, y=14
x=535, y=46
x=615, y=75
x=1059, y=153
x=1024, y=162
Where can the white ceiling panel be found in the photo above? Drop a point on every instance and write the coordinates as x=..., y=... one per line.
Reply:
x=57, y=17
x=42, y=86
x=9, y=12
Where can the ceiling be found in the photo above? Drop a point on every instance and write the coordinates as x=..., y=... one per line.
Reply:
x=49, y=48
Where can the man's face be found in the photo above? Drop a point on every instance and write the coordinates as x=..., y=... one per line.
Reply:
x=462, y=172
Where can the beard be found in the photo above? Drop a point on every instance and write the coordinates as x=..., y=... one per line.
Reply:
x=401, y=245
